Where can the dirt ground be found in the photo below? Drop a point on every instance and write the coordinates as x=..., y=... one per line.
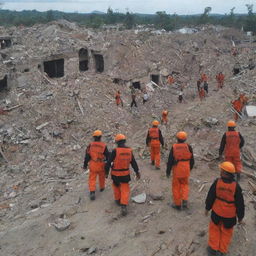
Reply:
x=43, y=179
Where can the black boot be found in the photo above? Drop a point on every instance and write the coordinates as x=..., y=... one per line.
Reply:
x=211, y=252
x=117, y=202
x=124, y=210
x=92, y=195
x=153, y=162
x=185, y=204
x=102, y=189
x=176, y=207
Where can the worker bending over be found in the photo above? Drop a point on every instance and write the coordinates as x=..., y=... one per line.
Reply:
x=119, y=161
x=154, y=140
x=220, y=80
x=164, y=119
x=231, y=143
x=226, y=201
x=96, y=155
x=181, y=160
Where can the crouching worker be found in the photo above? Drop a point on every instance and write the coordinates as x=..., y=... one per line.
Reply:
x=96, y=155
x=119, y=161
x=226, y=201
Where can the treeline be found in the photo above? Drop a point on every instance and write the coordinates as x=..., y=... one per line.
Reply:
x=160, y=20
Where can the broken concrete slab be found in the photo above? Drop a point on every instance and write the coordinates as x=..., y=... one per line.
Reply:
x=140, y=199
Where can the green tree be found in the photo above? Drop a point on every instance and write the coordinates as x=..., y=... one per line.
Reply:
x=49, y=16
x=250, y=23
x=129, y=21
x=204, y=18
x=163, y=21
x=111, y=16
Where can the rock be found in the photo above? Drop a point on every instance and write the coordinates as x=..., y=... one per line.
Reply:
x=140, y=199
x=61, y=224
x=157, y=197
x=92, y=250
x=210, y=121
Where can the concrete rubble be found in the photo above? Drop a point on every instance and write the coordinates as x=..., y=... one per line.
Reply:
x=57, y=85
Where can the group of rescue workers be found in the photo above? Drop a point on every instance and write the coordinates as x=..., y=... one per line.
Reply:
x=224, y=199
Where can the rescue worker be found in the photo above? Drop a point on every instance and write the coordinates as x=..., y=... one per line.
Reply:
x=181, y=160
x=119, y=161
x=118, y=99
x=204, y=78
x=220, y=80
x=164, y=119
x=170, y=79
x=96, y=155
x=133, y=99
x=180, y=97
x=201, y=92
x=226, y=201
x=154, y=140
x=231, y=143
x=238, y=105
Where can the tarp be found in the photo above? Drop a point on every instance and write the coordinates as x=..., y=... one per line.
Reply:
x=250, y=111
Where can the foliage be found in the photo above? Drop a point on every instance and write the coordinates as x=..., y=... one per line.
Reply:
x=160, y=20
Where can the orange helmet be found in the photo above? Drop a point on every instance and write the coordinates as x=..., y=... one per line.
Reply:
x=97, y=133
x=231, y=123
x=228, y=167
x=120, y=137
x=181, y=135
x=155, y=123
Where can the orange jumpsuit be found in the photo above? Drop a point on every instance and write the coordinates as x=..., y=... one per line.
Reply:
x=121, y=157
x=201, y=93
x=164, y=117
x=204, y=77
x=170, y=80
x=232, y=149
x=238, y=106
x=220, y=79
x=224, y=201
x=155, y=145
x=181, y=172
x=96, y=151
x=118, y=99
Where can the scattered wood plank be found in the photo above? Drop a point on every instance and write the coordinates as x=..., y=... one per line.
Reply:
x=250, y=175
x=3, y=155
x=201, y=188
x=80, y=106
x=12, y=108
x=38, y=128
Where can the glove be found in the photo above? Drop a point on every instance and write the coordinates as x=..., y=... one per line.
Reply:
x=138, y=176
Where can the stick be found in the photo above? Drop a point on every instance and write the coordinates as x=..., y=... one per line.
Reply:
x=14, y=107
x=4, y=157
x=41, y=126
x=234, y=111
x=201, y=188
x=80, y=106
x=249, y=175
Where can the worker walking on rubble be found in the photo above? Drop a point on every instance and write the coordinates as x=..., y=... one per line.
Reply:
x=154, y=140
x=170, y=79
x=220, y=80
x=226, y=201
x=119, y=161
x=204, y=78
x=201, y=92
x=181, y=161
x=231, y=143
x=96, y=155
x=239, y=104
x=164, y=119
x=133, y=103
x=118, y=99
